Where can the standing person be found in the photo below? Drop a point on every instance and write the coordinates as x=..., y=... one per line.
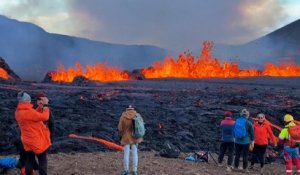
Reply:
x=291, y=151
x=227, y=126
x=125, y=128
x=262, y=133
x=18, y=143
x=50, y=122
x=35, y=136
x=244, y=137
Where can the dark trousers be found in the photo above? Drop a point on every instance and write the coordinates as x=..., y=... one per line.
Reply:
x=42, y=161
x=22, y=153
x=241, y=149
x=259, y=152
x=223, y=148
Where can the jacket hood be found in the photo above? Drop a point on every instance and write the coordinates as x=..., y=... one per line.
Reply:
x=265, y=122
x=129, y=114
x=24, y=105
x=290, y=124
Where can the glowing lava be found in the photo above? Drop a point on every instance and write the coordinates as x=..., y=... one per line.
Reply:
x=3, y=74
x=97, y=72
x=205, y=66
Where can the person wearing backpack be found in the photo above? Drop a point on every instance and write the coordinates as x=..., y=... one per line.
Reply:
x=244, y=137
x=289, y=136
x=262, y=133
x=131, y=136
x=227, y=139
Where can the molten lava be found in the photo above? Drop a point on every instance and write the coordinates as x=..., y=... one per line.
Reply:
x=3, y=74
x=186, y=66
x=97, y=72
x=207, y=67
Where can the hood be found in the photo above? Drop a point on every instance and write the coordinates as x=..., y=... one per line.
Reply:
x=290, y=124
x=129, y=114
x=24, y=105
x=265, y=123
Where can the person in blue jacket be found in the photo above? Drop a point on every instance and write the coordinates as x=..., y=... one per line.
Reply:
x=244, y=139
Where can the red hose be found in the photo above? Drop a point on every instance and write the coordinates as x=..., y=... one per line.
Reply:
x=108, y=144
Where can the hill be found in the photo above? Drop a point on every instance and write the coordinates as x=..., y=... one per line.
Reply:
x=281, y=44
x=31, y=51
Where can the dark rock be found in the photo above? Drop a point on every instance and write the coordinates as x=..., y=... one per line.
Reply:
x=47, y=78
x=10, y=72
x=167, y=106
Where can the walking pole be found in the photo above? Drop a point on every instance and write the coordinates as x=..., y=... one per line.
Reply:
x=212, y=157
x=208, y=152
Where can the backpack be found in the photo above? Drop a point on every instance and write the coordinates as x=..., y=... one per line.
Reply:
x=138, y=125
x=201, y=156
x=240, y=130
x=294, y=132
x=8, y=162
x=170, y=151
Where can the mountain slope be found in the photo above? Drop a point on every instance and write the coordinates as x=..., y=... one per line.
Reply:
x=282, y=44
x=31, y=51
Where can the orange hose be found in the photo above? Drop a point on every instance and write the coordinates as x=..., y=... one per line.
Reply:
x=108, y=144
x=297, y=122
x=276, y=126
x=271, y=124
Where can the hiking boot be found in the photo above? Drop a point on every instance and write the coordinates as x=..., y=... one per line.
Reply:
x=246, y=170
x=261, y=169
x=134, y=173
x=251, y=167
x=125, y=172
x=235, y=168
x=228, y=169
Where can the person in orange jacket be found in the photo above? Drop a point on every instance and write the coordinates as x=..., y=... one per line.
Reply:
x=35, y=136
x=262, y=134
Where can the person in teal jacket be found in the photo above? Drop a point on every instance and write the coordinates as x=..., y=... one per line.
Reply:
x=244, y=137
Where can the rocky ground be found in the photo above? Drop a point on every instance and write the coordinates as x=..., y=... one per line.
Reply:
x=101, y=163
x=184, y=112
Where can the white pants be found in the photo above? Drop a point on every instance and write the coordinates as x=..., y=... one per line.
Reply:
x=134, y=157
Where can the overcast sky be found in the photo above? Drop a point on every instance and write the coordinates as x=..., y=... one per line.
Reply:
x=172, y=24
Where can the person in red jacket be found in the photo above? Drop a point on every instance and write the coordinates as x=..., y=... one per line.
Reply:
x=35, y=136
x=262, y=134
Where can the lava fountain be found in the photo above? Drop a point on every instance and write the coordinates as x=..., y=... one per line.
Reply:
x=205, y=66
x=97, y=72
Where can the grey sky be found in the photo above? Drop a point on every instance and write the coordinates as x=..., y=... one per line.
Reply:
x=173, y=24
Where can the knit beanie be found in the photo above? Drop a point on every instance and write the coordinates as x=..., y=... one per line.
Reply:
x=228, y=114
x=23, y=97
x=245, y=113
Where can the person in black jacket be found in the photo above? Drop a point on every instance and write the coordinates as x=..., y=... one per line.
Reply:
x=50, y=122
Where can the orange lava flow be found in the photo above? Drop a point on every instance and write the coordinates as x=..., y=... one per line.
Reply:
x=97, y=72
x=205, y=66
x=3, y=74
